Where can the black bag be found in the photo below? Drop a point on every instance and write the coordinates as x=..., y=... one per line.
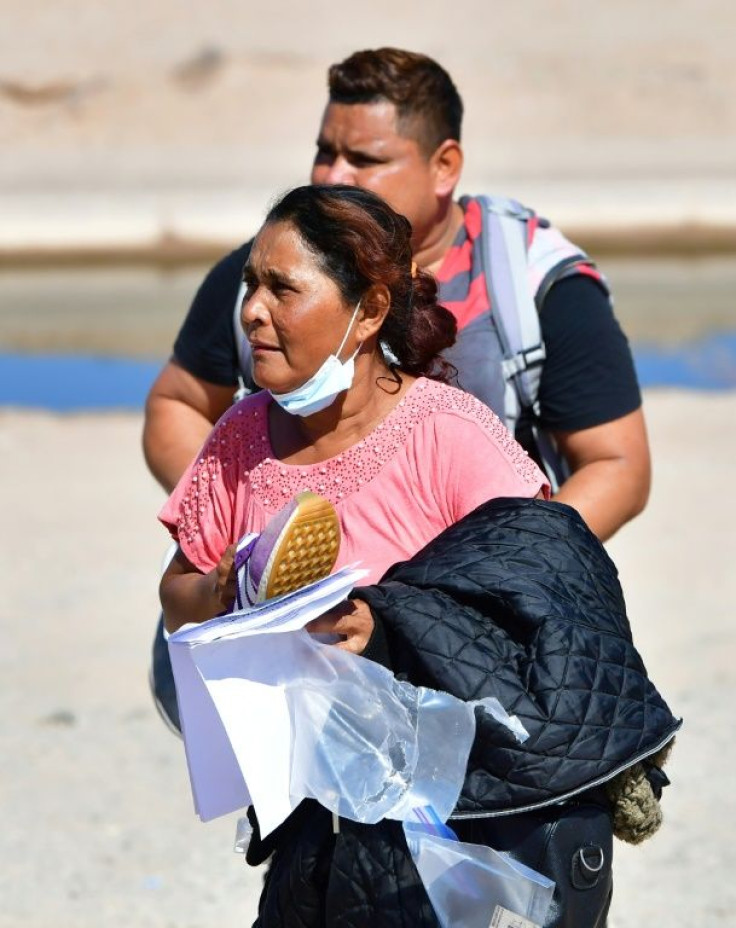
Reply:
x=161, y=679
x=571, y=843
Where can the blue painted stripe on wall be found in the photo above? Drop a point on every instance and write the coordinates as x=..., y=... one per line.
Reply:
x=68, y=383
x=709, y=364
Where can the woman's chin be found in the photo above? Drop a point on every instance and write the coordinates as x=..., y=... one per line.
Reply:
x=266, y=378
x=270, y=383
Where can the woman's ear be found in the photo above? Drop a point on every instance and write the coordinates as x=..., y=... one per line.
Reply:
x=374, y=306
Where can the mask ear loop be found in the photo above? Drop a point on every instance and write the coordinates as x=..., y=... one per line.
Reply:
x=345, y=336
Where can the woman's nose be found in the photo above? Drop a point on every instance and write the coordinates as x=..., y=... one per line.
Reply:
x=252, y=309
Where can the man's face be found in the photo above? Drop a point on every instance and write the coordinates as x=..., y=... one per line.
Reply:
x=358, y=144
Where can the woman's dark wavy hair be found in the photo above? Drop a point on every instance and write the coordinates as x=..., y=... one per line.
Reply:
x=360, y=241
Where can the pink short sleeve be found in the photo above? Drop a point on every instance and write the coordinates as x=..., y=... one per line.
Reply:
x=484, y=462
x=200, y=513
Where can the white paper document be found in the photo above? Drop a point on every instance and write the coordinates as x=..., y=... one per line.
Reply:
x=230, y=674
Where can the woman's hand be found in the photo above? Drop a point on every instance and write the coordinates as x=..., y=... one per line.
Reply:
x=188, y=595
x=351, y=620
x=224, y=584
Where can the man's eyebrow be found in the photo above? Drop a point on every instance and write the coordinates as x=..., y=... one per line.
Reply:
x=364, y=151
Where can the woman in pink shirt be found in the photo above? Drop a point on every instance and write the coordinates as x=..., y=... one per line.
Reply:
x=345, y=334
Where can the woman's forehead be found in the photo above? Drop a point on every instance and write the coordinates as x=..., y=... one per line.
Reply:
x=281, y=245
x=276, y=236
x=280, y=253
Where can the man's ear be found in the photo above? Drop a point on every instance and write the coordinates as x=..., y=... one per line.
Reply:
x=447, y=164
x=374, y=306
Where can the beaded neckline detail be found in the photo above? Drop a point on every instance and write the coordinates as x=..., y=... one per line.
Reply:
x=241, y=444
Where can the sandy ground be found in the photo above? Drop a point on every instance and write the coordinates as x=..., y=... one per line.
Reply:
x=97, y=821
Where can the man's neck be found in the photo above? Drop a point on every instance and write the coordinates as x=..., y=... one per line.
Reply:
x=431, y=253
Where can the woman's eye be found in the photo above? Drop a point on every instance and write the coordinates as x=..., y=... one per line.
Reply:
x=281, y=288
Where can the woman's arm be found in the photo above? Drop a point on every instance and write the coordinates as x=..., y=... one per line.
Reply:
x=188, y=595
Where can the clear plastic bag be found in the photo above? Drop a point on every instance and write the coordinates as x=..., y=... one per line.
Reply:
x=368, y=746
x=473, y=886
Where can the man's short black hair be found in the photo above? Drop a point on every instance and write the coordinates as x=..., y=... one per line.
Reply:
x=428, y=106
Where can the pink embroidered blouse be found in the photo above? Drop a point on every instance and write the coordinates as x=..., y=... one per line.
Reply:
x=437, y=456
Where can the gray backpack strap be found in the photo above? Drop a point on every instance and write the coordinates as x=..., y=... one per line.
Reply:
x=513, y=309
x=516, y=319
x=246, y=384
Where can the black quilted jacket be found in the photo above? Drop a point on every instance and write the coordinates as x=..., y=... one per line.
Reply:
x=517, y=601
x=520, y=601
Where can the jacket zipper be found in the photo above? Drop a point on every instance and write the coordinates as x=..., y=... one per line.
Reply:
x=559, y=800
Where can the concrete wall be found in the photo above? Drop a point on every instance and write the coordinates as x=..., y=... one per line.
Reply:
x=149, y=126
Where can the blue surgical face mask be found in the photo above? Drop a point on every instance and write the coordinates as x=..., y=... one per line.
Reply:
x=323, y=387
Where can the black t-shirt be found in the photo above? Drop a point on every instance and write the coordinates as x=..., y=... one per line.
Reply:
x=588, y=377
x=205, y=345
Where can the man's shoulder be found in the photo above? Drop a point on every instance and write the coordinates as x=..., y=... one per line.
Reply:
x=232, y=263
x=550, y=254
x=221, y=282
x=542, y=232
x=205, y=344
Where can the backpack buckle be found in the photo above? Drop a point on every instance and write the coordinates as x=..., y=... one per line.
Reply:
x=509, y=209
x=523, y=361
